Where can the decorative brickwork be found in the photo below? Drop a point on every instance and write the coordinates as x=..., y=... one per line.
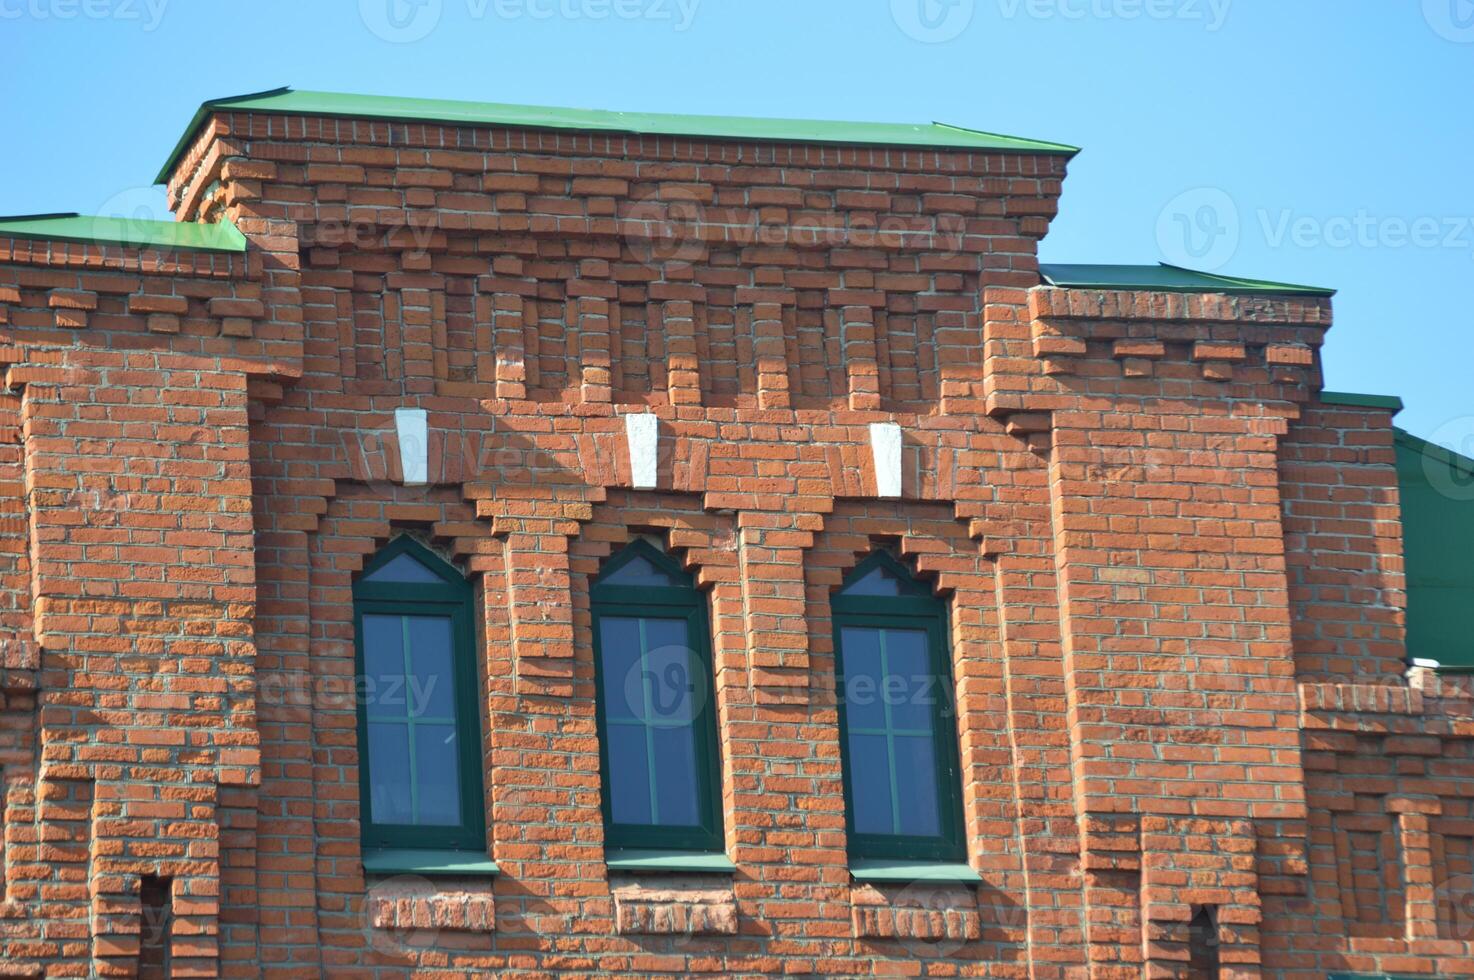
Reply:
x=1172, y=574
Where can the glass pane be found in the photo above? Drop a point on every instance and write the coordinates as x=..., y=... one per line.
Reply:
x=436, y=775
x=870, y=784
x=619, y=667
x=863, y=688
x=388, y=765
x=916, y=786
x=878, y=581
x=640, y=571
x=911, y=691
x=675, y=777
x=629, y=774
x=673, y=685
x=403, y=568
x=383, y=661
x=431, y=692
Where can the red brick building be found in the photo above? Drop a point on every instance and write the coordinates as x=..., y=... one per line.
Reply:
x=481, y=541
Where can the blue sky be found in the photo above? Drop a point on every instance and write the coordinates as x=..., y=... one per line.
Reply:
x=1315, y=141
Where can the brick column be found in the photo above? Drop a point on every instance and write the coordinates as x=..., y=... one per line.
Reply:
x=539, y=588
x=771, y=547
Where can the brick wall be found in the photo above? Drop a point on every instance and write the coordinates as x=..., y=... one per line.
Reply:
x=1172, y=574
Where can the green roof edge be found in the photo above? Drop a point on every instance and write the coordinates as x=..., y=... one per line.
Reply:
x=194, y=236
x=1441, y=453
x=1355, y=400
x=1210, y=282
x=425, y=110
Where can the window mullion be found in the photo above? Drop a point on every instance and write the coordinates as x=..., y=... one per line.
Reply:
x=414, y=759
x=648, y=727
x=890, y=738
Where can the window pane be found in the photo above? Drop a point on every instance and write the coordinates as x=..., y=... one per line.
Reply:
x=620, y=664
x=403, y=568
x=878, y=582
x=388, y=765
x=436, y=775
x=672, y=684
x=912, y=692
x=675, y=777
x=431, y=692
x=863, y=689
x=383, y=661
x=641, y=571
x=916, y=786
x=629, y=774
x=870, y=784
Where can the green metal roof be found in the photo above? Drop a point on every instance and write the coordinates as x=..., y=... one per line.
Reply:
x=1166, y=278
x=135, y=232
x=1436, y=486
x=286, y=101
x=1390, y=402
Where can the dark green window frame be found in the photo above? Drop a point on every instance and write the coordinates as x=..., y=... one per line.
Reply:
x=916, y=609
x=653, y=602
x=450, y=597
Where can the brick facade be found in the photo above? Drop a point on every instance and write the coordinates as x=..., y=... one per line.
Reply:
x=1173, y=574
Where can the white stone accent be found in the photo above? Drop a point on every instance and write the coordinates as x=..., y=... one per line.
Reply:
x=642, y=432
x=885, y=446
x=413, y=428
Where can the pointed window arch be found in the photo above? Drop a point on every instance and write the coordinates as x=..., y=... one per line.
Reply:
x=419, y=724
x=655, y=705
x=898, y=733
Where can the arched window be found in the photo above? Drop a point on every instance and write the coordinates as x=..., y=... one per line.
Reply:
x=897, y=726
x=656, y=717
x=419, y=726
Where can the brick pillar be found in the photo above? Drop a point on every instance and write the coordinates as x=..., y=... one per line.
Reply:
x=857, y=341
x=770, y=324
x=504, y=300
x=771, y=548
x=539, y=588
x=144, y=591
x=683, y=365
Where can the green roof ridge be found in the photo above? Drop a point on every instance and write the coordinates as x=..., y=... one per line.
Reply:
x=1166, y=278
x=288, y=101
x=221, y=236
x=1356, y=400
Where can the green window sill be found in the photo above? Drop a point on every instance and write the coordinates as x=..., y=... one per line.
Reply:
x=405, y=861
x=630, y=859
x=879, y=870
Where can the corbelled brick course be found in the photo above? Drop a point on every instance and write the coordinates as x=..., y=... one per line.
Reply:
x=1173, y=575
